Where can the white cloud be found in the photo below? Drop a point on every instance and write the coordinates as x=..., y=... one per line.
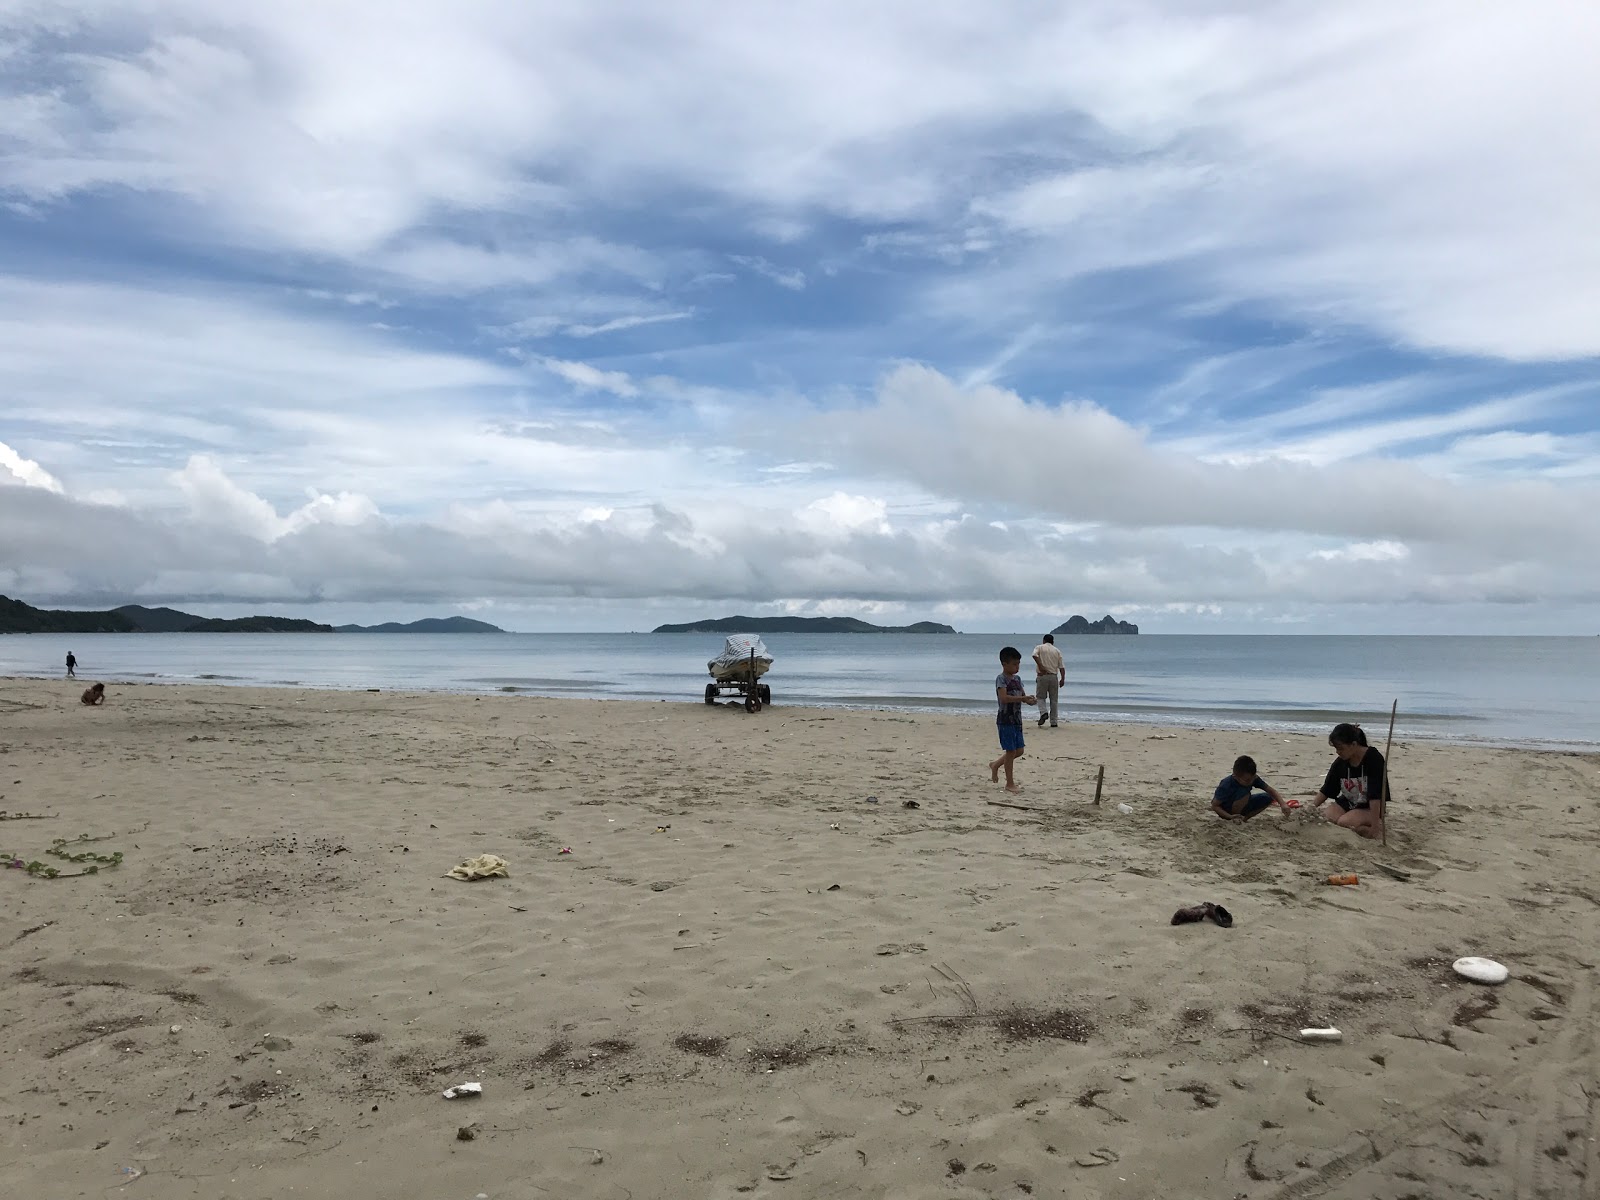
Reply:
x=1393, y=166
x=1365, y=552
x=1076, y=461
x=843, y=513
x=214, y=499
x=618, y=324
x=25, y=471
x=591, y=379
x=794, y=281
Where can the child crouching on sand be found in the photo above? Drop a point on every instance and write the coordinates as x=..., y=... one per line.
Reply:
x=1010, y=695
x=1237, y=797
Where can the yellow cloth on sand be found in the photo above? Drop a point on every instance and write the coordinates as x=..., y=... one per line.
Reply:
x=485, y=866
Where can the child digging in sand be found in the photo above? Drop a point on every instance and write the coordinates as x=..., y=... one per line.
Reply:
x=1010, y=696
x=1237, y=797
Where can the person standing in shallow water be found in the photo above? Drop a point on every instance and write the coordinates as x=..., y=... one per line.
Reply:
x=72, y=665
x=1355, y=783
x=1052, y=673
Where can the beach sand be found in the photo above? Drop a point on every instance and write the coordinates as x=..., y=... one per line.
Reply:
x=746, y=980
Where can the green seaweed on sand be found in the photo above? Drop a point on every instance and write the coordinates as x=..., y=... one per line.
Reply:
x=60, y=849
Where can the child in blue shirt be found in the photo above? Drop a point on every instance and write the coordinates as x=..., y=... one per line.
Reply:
x=1237, y=797
x=1010, y=696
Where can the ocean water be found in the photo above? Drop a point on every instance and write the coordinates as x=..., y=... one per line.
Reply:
x=1537, y=691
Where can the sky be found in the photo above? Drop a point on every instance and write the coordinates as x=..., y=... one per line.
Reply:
x=1244, y=316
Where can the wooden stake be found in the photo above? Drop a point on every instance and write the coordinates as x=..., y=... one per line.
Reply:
x=1100, y=780
x=1384, y=815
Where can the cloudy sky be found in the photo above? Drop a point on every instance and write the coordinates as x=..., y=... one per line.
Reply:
x=1228, y=316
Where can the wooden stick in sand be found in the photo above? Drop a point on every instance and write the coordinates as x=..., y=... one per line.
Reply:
x=1099, y=782
x=1384, y=815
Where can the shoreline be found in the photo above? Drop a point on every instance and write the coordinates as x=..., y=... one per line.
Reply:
x=755, y=971
x=955, y=709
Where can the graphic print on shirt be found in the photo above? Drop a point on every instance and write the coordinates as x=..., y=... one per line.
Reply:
x=1353, y=790
x=1009, y=713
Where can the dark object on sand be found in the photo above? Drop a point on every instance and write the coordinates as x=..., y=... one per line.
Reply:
x=911, y=804
x=1200, y=912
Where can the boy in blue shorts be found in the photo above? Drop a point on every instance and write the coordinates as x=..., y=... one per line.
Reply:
x=1237, y=797
x=1010, y=695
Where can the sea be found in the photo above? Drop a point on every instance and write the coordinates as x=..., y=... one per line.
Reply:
x=1522, y=691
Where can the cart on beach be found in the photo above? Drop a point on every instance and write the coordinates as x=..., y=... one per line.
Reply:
x=738, y=670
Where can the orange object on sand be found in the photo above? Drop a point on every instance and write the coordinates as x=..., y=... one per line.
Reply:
x=1347, y=880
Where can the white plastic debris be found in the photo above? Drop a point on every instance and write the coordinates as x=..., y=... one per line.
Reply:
x=1125, y=809
x=463, y=1090
x=1330, y=1034
x=1481, y=970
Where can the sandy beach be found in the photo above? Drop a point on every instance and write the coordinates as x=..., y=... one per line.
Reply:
x=747, y=980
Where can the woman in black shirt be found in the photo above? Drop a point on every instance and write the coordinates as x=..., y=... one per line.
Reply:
x=1355, y=783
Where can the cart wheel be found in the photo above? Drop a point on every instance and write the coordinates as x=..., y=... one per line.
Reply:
x=751, y=704
x=765, y=693
x=711, y=693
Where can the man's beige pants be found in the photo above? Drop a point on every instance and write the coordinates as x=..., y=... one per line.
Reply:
x=1049, y=686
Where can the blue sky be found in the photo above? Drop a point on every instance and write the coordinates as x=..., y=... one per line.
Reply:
x=1241, y=316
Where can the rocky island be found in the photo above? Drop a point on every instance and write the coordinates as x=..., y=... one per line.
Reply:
x=1106, y=624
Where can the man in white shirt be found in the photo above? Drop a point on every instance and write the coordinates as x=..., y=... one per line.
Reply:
x=1052, y=674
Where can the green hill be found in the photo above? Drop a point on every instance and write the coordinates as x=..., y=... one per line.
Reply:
x=258, y=625
x=426, y=625
x=17, y=617
x=157, y=620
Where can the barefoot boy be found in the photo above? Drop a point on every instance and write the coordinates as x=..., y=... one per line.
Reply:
x=1236, y=797
x=1010, y=696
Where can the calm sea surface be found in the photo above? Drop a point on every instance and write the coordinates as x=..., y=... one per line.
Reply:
x=1507, y=690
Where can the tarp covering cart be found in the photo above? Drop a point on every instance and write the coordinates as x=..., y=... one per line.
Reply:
x=738, y=670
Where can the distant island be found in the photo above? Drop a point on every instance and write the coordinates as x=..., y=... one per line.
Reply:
x=1106, y=624
x=798, y=625
x=17, y=617
x=426, y=625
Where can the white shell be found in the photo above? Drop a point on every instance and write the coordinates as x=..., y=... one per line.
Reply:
x=462, y=1090
x=1481, y=970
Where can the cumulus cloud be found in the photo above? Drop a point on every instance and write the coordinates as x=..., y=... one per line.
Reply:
x=841, y=513
x=1079, y=462
x=852, y=548
x=25, y=471
x=215, y=500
